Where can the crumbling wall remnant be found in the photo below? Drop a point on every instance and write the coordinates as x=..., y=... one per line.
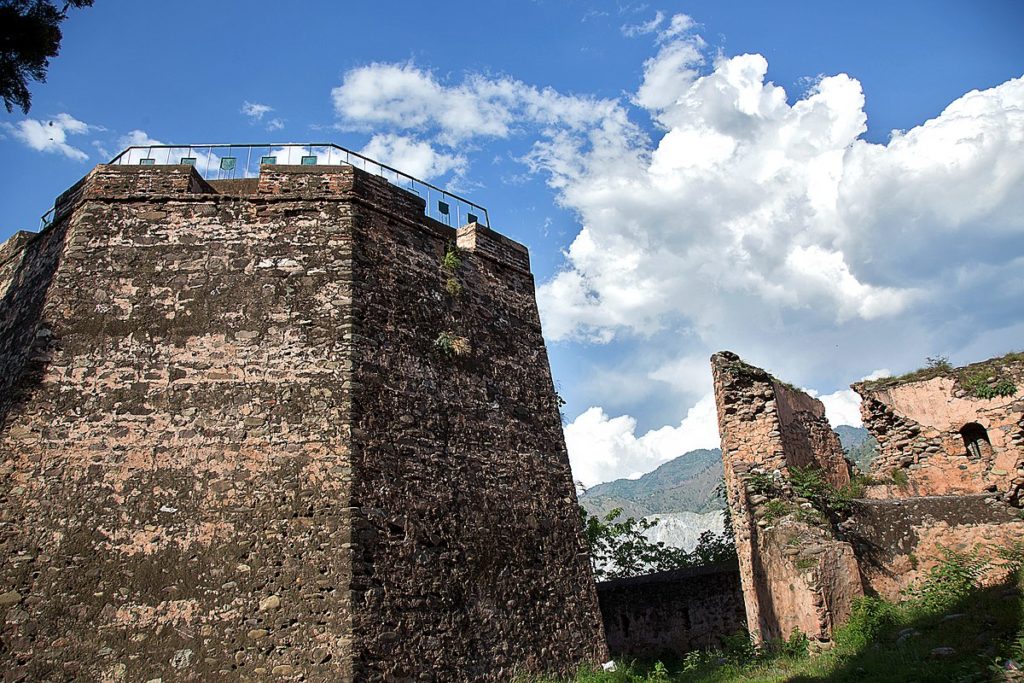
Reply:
x=796, y=574
x=948, y=479
x=940, y=437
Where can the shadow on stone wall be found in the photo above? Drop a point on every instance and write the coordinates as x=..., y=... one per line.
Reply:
x=667, y=614
x=26, y=277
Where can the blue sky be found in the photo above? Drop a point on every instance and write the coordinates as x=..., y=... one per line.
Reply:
x=689, y=177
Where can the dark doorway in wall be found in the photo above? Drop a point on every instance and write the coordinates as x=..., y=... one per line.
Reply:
x=976, y=440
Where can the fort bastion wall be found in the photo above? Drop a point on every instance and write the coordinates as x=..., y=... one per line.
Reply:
x=230, y=448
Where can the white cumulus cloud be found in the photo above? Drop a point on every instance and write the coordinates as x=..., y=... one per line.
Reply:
x=51, y=135
x=717, y=211
x=603, y=448
x=408, y=98
x=415, y=157
x=749, y=205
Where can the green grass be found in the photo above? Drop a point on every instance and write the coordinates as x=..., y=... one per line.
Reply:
x=972, y=378
x=985, y=627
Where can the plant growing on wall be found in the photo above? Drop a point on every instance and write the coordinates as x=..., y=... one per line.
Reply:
x=762, y=483
x=448, y=342
x=983, y=385
x=452, y=259
x=810, y=483
x=450, y=265
x=451, y=344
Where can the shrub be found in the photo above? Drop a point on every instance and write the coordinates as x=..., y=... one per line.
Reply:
x=870, y=617
x=452, y=259
x=797, y=646
x=950, y=581
x=978, y=385
x=738, y=648
x=762, y=483
x=451, y=344
x=900, y=478
x=809, y=482
x=1012, y=556
x=776, y=509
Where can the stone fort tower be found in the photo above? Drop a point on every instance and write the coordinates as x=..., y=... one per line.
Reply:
x=250, y=430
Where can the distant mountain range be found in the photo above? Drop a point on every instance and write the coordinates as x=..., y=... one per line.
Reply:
x=859, y=446
x=682, y=494
x=686, y=483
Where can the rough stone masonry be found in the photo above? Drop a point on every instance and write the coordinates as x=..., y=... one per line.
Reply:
x=948, y=478
x=250, y=431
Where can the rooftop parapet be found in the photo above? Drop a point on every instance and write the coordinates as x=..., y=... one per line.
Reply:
x=295, y=182
x=222, y=161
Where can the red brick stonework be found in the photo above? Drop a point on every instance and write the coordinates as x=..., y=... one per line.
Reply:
x=231, y=447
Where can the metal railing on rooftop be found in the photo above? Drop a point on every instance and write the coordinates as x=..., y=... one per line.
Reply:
x=224, y=162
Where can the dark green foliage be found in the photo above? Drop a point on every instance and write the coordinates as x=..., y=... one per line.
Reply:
x=777, y=509
x=797, y=647
x=762, y=483
x=900, y=478
x=619, y=547
x=738, y=647
x=452, y=259
x=29, y=36
x=712, y=548
x=809, y=482
x=869, y=618
x=445, y=343
x=978, y=385
x=452, y=344
x=560, y=402
x=950, y=581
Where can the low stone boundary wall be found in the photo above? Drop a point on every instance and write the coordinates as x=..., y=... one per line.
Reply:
x=673, y=612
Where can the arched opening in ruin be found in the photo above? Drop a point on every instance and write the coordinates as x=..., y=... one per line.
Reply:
x=976, y=440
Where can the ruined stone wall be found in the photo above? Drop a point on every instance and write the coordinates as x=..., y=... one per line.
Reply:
x=667, y=614
x=807, y=436
x=898, y=541
x=796, y=574
x=918, y=427
x=230, y=451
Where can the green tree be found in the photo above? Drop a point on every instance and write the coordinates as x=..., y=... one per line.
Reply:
x=29, y=36
x=620, y=548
